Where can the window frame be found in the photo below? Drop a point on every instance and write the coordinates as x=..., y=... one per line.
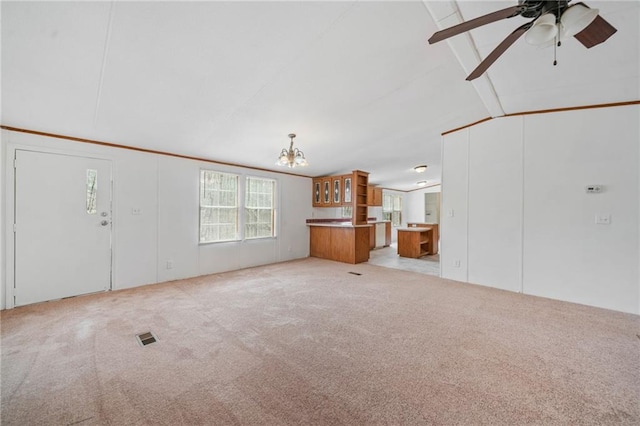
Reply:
x=238, y=236
x=274, y=208
x=389, y=214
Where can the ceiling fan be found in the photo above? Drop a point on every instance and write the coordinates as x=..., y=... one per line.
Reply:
x=551, y=19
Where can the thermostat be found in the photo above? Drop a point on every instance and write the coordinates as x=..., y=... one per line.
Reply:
x=593, y=189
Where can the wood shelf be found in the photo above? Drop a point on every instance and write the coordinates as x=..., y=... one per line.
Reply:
x=435, y=234
x=360, y=204
x=415, y=242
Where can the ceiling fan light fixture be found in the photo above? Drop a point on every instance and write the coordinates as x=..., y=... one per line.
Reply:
x=576, y=18
x=421, y=168
x=544, y=30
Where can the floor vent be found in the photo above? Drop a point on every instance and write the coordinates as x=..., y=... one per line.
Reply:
x=146, y=338
x=355, y=273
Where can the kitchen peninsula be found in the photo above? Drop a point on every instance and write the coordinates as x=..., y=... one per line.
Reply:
x=342, y=240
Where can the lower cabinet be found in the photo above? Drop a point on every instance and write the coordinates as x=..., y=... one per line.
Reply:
x=347, y=244
x=415, y=242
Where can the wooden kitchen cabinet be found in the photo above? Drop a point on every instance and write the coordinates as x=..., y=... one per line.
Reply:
x=348, y=244
x=316, y=199
x=415, y=242
x=326, y=192
x=374, y=196
x=435, y=233
x=347, y=190
x=343, y=190
x=336, y=188
x=320, y=241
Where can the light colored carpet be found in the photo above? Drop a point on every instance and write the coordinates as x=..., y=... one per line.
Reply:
x=305, y=342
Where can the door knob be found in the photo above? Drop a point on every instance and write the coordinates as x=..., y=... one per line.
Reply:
x=104, y=223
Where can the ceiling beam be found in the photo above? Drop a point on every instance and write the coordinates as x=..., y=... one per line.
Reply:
x=446, y=14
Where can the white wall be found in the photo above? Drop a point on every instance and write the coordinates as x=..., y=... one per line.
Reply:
x=165, y=190
x=531, y=226
x=453, y=211
x=583, y=262
x=414, y=204
x=3, y=171
x=495, y=204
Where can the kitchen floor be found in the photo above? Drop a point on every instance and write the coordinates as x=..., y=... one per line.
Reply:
x=388, y=257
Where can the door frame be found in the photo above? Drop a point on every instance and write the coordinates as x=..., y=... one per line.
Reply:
x=10, y=211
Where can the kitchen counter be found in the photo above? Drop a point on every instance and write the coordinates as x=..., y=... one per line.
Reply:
x=340, y=225
x=340, y=241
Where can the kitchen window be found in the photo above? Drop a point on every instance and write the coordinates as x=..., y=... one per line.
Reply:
x=392, y=208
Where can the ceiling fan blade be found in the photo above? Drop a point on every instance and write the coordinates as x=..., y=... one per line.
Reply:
x=498, y=51
x=597, y=32
x=475, y=23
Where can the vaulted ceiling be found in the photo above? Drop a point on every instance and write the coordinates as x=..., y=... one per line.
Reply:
x=356, y=81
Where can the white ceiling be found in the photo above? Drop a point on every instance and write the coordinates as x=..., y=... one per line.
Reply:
x=227, y=81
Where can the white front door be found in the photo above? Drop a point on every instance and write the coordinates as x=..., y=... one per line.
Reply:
x=63, y=226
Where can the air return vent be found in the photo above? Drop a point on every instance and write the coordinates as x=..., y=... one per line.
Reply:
x=146, y=338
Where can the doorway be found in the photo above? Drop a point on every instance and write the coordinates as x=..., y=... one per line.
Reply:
x=62, y=226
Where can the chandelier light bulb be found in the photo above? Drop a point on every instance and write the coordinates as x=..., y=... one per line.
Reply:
x=292, y=157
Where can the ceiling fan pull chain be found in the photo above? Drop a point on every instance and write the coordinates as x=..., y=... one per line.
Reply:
x=555, y=48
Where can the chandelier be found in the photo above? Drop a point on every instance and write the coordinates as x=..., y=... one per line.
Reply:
x=292, y=157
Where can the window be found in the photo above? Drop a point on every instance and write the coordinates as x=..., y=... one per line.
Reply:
x=92, y=190
x=259, y=208
x=392, y=208
x=218, y=206
x=347, y=211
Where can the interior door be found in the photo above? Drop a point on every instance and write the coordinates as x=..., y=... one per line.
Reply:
x=62, y=226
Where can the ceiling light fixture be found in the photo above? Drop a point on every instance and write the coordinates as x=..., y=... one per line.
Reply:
x=422, y=183
x=544, y=30
x=576, y=18
x=292, y=157
x=420, y=169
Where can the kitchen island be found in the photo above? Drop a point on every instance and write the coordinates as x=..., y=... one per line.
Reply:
x=415, y=242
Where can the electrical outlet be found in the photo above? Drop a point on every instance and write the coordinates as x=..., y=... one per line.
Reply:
x=169, y=264
x=603, y=219
x=136, y=211
x=456, y=263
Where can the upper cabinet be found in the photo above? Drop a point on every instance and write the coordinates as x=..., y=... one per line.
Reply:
x=332, y=191
x=322, y=192
x=316, y=200
x=326, y=192
x=345, y=190
x=336, y=187
x=374, y=196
